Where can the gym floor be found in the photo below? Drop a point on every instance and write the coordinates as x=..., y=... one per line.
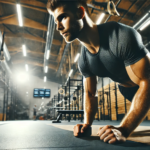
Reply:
x=45, y=135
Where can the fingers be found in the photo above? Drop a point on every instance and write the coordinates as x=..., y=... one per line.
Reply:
x=106, y=133
x=113, y=140
x=85, y=126
x=80, y=128
x=109, y=137
x=111, y=134
x=102, y=130
x=76, y=130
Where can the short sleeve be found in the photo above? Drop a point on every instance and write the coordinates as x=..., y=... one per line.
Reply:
x=83, y=65
x=130, y=45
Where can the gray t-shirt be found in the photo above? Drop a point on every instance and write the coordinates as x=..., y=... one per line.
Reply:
x=120, y=46
x=34, y=109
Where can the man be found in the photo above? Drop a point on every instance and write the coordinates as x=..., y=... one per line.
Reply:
x=110, y=50
x=34, y=112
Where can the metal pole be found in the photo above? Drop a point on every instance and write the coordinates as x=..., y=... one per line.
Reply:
x=82, y=98
x=125, y=105
x=69, y=99
x=78, y=99
x=110, y=100
x=116, y=102
x=103, y=98
x=12, y=102
x=16, y=103
x=65, y=100
x=4, y=98
x=7, y=101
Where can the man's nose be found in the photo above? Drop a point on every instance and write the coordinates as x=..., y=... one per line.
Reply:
x=59, y=27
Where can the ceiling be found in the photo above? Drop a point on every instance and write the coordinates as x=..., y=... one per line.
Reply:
x=34, y=34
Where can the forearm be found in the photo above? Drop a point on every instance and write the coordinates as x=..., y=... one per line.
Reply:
x=138, y=110
x=90, y=108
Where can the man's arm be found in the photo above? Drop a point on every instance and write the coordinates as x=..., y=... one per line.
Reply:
x=139, y=73
x=90, y=105
x=90, y=99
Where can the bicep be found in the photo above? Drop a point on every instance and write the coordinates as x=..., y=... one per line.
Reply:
x=140, y=71
x=90, y=84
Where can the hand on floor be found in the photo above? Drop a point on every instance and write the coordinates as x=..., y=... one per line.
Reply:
x=79, y=129
x=111, y=134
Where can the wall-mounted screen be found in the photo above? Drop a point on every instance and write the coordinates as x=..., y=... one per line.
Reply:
x=42, y=93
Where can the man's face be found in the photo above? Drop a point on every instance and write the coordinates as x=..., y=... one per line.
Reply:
x=68, y=23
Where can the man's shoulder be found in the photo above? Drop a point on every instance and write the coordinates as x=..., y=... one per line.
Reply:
x=109, y=25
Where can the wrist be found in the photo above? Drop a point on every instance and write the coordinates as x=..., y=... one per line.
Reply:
x=124, y=131
x=87, y=124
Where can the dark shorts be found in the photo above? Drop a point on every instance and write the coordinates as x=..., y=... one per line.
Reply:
x=34, y=113
x=129, y=92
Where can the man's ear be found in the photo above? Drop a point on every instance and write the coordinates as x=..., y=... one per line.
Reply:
x=81, y=12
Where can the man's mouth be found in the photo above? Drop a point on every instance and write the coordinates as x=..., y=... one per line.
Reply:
x=64, y=34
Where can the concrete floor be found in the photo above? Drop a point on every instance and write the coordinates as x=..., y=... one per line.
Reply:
x=43, y=135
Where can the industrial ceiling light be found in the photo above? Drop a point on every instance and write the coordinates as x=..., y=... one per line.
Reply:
x=45, y=79
x=47, y=54
x=19, y=15
x=76, y=58
x=145, y=25
x=69, y=75
x=46, y=69
x=24, y=50
x=26, y=66
x=100, y=18
x=143, y=22
x=70, y=72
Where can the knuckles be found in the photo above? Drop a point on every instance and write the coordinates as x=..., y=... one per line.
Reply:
x=107, y=127
x=108, y=131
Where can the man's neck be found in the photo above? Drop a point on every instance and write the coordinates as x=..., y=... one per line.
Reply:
x=89, y=36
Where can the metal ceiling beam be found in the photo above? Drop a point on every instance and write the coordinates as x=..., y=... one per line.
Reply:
x=49, y=39
x=104, y=5
x=7, y=17
x=59, y=56
x=27, y=6
x=26, y=23
x=5, y=63
x=33, y=3
x=26, y=36
x=135, y=1
x=62, y=59
x=19, y=49
x=32, y=63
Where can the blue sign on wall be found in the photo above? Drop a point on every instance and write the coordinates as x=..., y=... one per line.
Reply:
x=42, y=93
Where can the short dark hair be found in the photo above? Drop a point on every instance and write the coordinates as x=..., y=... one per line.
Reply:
x=53, y=4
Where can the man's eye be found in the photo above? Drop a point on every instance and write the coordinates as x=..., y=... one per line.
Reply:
x=62, y=17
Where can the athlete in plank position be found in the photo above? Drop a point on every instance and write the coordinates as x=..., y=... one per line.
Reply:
x=110, y=50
